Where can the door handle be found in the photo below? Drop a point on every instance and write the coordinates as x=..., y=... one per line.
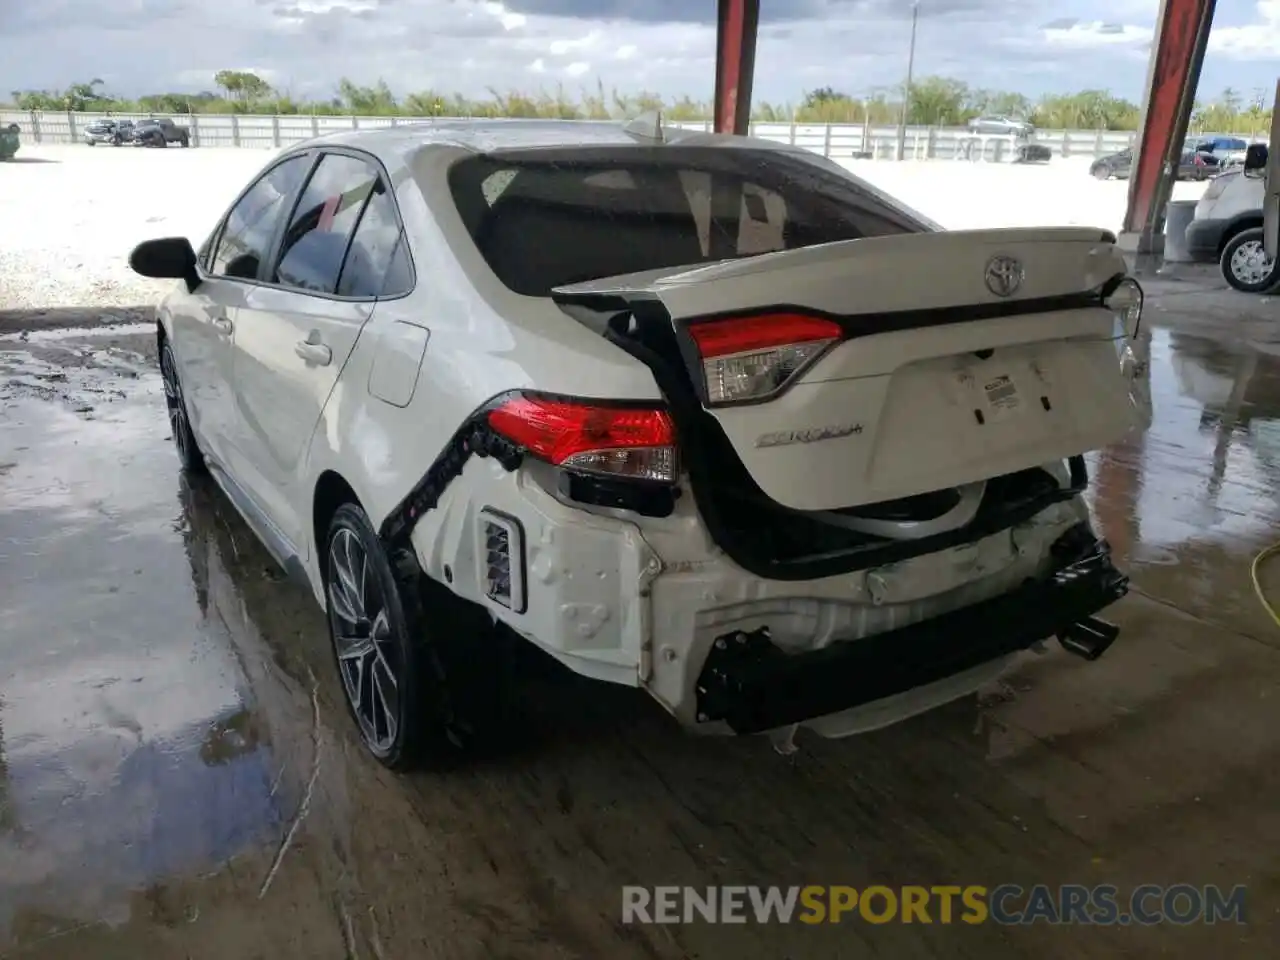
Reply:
x=313, y=352
x=222, y=325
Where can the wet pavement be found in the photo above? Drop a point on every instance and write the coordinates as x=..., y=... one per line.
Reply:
x=178, y=777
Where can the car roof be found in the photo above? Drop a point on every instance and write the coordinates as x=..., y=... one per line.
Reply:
x=490, y=136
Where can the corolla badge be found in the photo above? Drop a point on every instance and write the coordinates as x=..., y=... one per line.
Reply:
x=1004, y=275
x=783, y=438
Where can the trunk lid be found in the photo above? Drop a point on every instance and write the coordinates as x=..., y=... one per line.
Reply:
x=937, y=381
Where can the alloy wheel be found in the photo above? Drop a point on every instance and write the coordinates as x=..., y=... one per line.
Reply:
x=368, y=656
x=173, y=402
x=1250, y=264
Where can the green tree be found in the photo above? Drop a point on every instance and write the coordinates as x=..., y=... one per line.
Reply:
x=375, y=101
x=937, y=102
x=243, y=86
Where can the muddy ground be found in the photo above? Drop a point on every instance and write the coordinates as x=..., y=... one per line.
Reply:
x=178, y=778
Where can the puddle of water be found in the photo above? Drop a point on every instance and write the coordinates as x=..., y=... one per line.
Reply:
x=1188, y=504
x=130, y=745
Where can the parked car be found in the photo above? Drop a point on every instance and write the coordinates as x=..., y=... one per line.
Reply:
x=488, y=381
x=1033, y=153
x=1197, y=165
x=1192, y=166
x=1229, y=151
x=1001, y=125
x=160, y=133
x=1229, y=223
x=115, y=132
x=1115, y=165
x=1230, y=205
x=10, y=141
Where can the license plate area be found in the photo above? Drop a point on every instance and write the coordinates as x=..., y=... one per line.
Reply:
x=1006, y=386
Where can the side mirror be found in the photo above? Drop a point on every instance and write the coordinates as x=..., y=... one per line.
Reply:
x=1255, y=156
x=168, y=258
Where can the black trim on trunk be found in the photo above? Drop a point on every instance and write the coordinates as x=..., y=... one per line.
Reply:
x=753, y=685
x=859, y=325
x=853, y=326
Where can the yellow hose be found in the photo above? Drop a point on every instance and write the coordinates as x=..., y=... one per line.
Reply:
x=1258, y=561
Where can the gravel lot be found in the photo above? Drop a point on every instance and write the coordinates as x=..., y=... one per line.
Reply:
x=71, y=214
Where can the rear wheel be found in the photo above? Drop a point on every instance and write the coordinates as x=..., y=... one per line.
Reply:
x=185, y=142
x=424, y=673
x=1245, y=265
x=1102, y=173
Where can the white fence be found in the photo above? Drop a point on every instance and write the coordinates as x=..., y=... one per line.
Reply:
x=840, y=141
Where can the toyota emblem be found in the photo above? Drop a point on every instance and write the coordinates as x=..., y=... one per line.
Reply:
x=1004, y=276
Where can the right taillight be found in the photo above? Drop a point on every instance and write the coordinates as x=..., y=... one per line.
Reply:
x=752, y=358
x=615, y=440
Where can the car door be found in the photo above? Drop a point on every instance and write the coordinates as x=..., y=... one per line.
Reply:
x=297, y=329
x=203, y=322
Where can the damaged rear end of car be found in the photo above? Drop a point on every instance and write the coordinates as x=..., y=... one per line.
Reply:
x=862, y=488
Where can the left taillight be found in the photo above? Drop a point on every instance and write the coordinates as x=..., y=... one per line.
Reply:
x=625, y=442
x=751, y=358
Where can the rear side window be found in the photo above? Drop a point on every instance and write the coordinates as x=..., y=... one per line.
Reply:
x=249, y=227
x=546, y=218
x=377, y=263
x=315, y=242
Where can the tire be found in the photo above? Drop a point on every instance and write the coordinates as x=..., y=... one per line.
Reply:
x=176, y=406
x=442, y=669
x=1243, y=265
x=1101, y=173
x=92, y=143
x=185, y=142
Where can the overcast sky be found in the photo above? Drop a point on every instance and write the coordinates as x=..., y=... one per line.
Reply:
x=668, y=46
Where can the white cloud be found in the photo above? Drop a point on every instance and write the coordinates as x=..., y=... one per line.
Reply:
x=668, y=46
x=1253, y=41
x=560, y=48
x=509, y=20
x=1098, y=33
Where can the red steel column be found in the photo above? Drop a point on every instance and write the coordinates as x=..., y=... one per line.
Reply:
x=736, y=26
x=1182, y=34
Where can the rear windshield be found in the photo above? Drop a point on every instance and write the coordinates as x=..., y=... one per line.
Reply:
x=542, y=219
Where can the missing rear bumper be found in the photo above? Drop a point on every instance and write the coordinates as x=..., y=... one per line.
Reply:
x=752, y=685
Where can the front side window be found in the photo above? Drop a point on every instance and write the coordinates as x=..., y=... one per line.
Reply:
x=542, y=219
x=247, y=232
x=316, y=240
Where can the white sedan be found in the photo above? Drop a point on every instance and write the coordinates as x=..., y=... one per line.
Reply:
x=704, y=415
